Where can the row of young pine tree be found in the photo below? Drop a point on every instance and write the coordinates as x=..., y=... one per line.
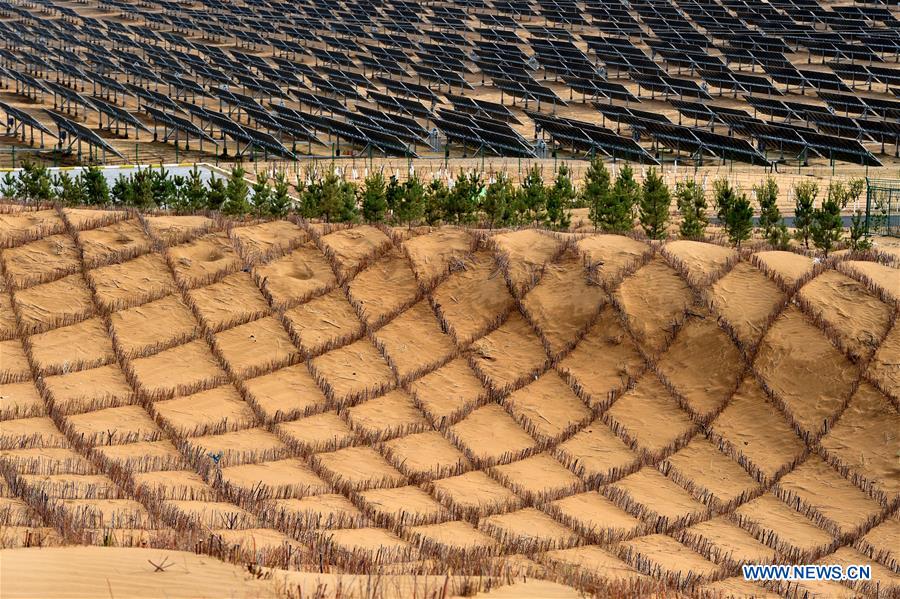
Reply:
x=614, y=204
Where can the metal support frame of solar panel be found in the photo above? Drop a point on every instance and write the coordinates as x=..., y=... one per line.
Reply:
x=492, y=110
x=368, y=122
x=68, y=98
x=390, y=54
x=771, y=107
x=397, y=119
x=149, y=96
x=401, y=105
x=265, y=89
x=886, y=109
x=335, y=88
x=823, y=80
x=588, y=137
x=740, y=82
x=293, y=125
x=687, y=59
x=27, y=82
x=443, y=51
x=670, y=86
x=600, y=88
x=117, y=115
x=378, y=65
x=526, y=87
x=245, y=135
x=25, y=120
x=359, y=135
x=488, y=50
x=853, y=128
x=322, y=103
x=502, y=69
x=497, y=35
x=696, y=141
x=328, y=57
x=183, y=87
x=276, y=76
x=408, y=89
x=79, y=133
x=98, y=79
x=441, y=76
x=629, y=116
x=441, y=62
x=693, y=110
x=856, y=73
x=176, y=123
x=347, y=77
x=882, y=131
x=845, y=103
x=827, y=146
x=482, y=132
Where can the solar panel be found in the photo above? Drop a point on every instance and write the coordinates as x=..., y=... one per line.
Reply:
x=403, y=105
x=25, y=118
x=589, y=137
x=492, y=110
x=482, y=133
x=176, y=122
x=78, y=132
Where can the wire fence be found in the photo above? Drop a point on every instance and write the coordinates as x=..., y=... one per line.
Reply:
x=356, y=168
x=883, y=207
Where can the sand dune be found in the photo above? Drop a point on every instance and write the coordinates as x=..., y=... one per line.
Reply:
x=534, y=413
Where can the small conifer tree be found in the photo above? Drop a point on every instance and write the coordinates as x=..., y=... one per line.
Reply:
x=237, y=194
x=560, y=198
x=497, y=201
x=654, y=206
x=805, y=194
x=734, y=211
x=280, y=201
x=374, y=197
x=436, y=198
x=767, y=198
x=9, y=185
x=595, y=194
x=463, y=199
x=194, y=191
x=262, y=195
x=69, y=190
x=691, y=200
x=93, y=182
x=392, y=193
x=624, y=197
x=858, y=240
x=215, y=196
x=163, y=187
x=827, y=227
x=534, y=195
x=411, y=205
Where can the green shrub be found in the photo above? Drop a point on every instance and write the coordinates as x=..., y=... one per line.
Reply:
x=374, y=198
x=560, y=198
x=411, y=203
x=237, y=194
x=805, y=194
x=654, y=206
x=827, y=228
x=498, y=202
x=734, y=211
x=691, y=200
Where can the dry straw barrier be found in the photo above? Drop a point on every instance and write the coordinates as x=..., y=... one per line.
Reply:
x=620, y=415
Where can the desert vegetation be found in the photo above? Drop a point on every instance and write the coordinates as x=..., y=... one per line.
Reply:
x=610, y=204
